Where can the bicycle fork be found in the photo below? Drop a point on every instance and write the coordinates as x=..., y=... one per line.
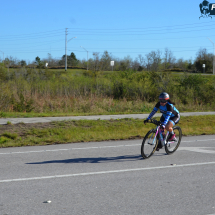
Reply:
x=162, y=139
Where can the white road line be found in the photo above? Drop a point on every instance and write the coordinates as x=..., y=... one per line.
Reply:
x=197, y=149
x=104, y=172
x=87, y=148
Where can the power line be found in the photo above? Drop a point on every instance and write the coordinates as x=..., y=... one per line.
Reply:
x=140, y=34
x=156, y=27
x=137, y=34
x=149, y=48
x=41, y=43
x=59, y=32
x=144, y=39
x=127, y=48
x=60, y=48
x=140, y=52
x=77, y=50
x=44, y=32
x=28, y=38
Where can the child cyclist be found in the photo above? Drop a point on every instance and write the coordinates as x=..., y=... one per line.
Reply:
x=170, y=115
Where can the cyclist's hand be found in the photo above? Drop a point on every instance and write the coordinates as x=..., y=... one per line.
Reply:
x=145, y=121
x=162, y=127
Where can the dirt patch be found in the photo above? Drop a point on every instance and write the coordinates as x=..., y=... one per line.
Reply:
x=21, y=128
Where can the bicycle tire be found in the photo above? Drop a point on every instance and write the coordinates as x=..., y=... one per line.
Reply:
x=148, y=148
x=172, y=146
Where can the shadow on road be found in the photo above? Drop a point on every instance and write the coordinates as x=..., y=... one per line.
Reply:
x=94, y=160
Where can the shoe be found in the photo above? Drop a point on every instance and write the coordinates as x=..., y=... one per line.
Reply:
x=157, y=149
x=159, y=146
x=172, y=138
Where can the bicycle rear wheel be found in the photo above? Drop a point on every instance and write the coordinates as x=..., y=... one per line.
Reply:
x=149, y=144
x=172, y=146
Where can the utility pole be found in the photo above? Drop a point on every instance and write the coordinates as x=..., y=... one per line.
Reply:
x=66, y=33
x=66, y=49
x=213, y=57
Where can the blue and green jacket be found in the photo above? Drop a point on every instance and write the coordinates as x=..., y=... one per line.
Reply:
x=168, y=111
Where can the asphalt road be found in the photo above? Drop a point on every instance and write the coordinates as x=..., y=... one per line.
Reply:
x=108, y=178
x=102, y=117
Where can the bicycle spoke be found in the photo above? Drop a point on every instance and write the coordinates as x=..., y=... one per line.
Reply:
x=172, y=146
x=149, y=144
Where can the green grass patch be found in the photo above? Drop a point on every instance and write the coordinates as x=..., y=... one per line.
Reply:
x=93, y=130
x=28, y=92
x=9, y=135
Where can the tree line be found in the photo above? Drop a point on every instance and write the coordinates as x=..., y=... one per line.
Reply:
x=153, y=61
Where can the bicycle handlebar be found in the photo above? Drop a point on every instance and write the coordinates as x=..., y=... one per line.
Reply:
x=154, y=121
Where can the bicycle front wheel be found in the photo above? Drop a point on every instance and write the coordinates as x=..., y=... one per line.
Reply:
x=149, y=144
x=172, y=146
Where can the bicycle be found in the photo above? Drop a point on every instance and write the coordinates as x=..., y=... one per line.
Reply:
x=152, y=138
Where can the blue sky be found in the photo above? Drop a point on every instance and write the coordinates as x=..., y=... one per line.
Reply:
x=123, y=28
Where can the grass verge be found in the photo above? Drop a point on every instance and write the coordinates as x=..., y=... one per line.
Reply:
x=89, y=130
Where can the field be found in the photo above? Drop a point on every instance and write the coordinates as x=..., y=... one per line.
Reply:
x=47, y=92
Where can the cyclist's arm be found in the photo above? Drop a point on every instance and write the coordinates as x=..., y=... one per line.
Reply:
x=168, y=114
x=153, y=111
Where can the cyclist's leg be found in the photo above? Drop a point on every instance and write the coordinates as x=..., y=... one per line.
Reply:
x=169, y=125
x=159, y=141
x=169, y=128
x=173, y=121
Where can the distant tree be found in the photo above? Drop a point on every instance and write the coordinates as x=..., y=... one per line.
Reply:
x=73, y=56
x=202, y=57
x=7, y=62
x=136, y=65
x=71, y=60
x=37, y=59
x=201, y=53
x=50, y=60
x=83, y=63
x=126, y=63
x=208, y=65
x=10, y=61
x=105, y=61
x=23, y=63
x=153, y=60
x=39, y=62
x=96, y=66
x=139, y=63
x=184, y=64
x=116, y=64
x=168, y=59
x=62, y=61
x=190, y=65
x=91, y=64
x=141, y=60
